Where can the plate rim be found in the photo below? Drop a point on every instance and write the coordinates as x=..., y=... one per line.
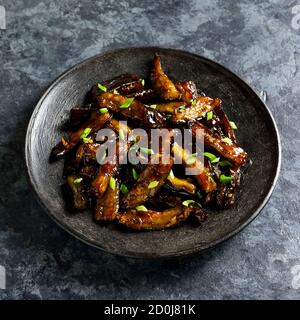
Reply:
x=170, y=254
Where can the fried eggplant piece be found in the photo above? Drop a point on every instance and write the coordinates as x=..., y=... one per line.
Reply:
x=170, y=107
x=225, y=124
x=225, y=195
x=182, y=184
x=204, y=177
x=164, y=87
x=118, y=127
x=229, y=151
x=86, y=153
x=188, y=90
x=154, y=174
x=95, y=123
x=78, y=115
x=154, y=220
x=75, y=193
x=145, y=96
x=198, y=214
x=88, y=172
x=109, y=169
x=196, y=110
x=107, y=206
x=136, y=110
x=165, y=199
x=124, y=84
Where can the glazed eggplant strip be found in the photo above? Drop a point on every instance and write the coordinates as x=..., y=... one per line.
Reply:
x=169, y=107
x=156, y=192
x=204, y=177
x=131, y=109
x=148, y=183
x=225, y=123
x=94, y=123
x=181, y=184
x=107, y=206
x=109, y=169
x=154, y=220
x=125, y=84
x=224, y=147
x=198, y=109
x=188, y=90
x=165, y=88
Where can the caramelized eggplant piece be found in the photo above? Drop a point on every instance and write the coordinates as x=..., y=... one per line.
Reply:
x=196, y=110
x=198, y=214
x=145, y=96
x=107, y=206
x=78, y=115
x=75, y=193
x=88, y=172
x=170, y=107
x=225, y=194
x=164, y=87
x=228, y=150
x=154, y=220
x=188, y=90
x=126, y=82
x=182, y=184
x=148, y=183
x=225, y=124
x=165, y=199
x=118, y=127
x=135, y=110
x=108, y=170
x=86, y=153
x=95, y=123
x=204, y=178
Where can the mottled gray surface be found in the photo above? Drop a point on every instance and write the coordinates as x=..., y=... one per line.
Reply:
x=43, y=38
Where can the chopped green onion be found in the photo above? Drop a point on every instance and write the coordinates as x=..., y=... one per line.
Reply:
x=225, y=163
x=102, y=87
x=78, y=180
x=135, y=174
x=141, y=208
x=153, y=184
x=199, y=195
x=127, y=103
x=171, y=175
x=232, y=125
x=103, y=110
x=225, y=179
x=143, y=82
x=168, y=116
x=181, y=108
x=227, y=140
x=123, y=188
x=85, y=133
x=194, y=101
x=153, y=106
x=146, y=150
x=188, y=202
x=112, y=183
x=87, y=140
x=121, y=134
x=209, y=115
x=211, y=157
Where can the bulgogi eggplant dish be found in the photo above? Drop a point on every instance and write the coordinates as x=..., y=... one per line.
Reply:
x=144, y=194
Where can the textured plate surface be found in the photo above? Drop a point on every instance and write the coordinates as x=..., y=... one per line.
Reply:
x=257, y=134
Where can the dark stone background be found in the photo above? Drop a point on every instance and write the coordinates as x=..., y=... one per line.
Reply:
x=255, y=39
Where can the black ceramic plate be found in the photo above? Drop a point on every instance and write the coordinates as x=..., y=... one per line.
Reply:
x=257, y=134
